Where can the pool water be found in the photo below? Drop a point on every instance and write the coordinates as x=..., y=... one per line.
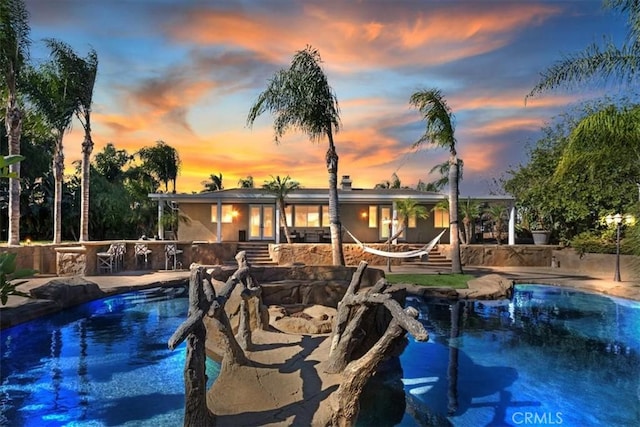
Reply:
x=104, y=363
x=549, y=356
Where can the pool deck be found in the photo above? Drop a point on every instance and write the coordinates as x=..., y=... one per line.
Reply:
x=131, y=280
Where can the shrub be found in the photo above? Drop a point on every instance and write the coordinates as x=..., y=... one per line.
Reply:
x=600, y=243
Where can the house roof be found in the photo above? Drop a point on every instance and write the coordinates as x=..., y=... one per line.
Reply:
x=315, y=196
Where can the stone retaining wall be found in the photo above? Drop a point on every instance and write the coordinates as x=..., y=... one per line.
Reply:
x=43, y=258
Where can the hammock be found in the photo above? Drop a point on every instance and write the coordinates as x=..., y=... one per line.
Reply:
x=407, y=254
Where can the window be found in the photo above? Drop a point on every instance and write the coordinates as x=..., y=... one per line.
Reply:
x=325, y=215
x=227, y=213
x=440, y=218
x=287, y=215
x=412, y=221
x=385, y=223
x=373, y=216
x=307, y=216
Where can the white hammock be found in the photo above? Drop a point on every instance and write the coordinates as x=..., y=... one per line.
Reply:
x=407, y=254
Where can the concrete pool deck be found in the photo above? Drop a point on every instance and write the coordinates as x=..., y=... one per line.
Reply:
x=20, y=309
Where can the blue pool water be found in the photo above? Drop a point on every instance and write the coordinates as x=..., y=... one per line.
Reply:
x=549, y=356
x=105, y=363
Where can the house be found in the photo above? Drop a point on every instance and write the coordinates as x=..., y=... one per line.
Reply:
x=251, y=214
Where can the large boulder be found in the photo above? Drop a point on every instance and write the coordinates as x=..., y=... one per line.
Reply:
x=68, y=292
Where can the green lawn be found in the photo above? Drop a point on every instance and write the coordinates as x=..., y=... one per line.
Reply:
x=456, y=281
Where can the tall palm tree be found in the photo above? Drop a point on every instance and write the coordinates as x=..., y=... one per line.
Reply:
x=14, y=53
x=281, y=188
x=83, y=72
x=440, y=132
x=161, y=161
x=301, y=99
x=51, y=90
x=606, y=61
x=214, y=183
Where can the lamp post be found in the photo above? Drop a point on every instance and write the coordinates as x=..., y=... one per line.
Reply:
x=618, y=220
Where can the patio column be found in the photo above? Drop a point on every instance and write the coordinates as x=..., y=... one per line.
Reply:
x=160, y=227
x=219, y=224
x=512, y=225
x=278, y=222
x=394, y=222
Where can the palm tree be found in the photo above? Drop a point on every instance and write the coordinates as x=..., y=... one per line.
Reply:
x=499, y=215
x=395, y=183
x=83, y=72
x=408, y=208
x=161, y=161
x=606, y=62
x=610, y=135
x=14, y=53
x=246, y=182
x=443, y=169
x=440, y=131
x=427, y=187
x=281, y=188
x=470, y=209
x=214, y=183
x=51, y=90
x=301, y=99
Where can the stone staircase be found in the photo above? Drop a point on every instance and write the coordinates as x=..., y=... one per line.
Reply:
x=257, y=253
x=436, y=260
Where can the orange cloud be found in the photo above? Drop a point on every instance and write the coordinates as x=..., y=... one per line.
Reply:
x=353, y=39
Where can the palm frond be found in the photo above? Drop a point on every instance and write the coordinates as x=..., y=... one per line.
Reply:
x=300, y=98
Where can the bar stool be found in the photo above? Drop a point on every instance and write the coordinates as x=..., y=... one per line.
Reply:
x=142, y=251
x=171, y=251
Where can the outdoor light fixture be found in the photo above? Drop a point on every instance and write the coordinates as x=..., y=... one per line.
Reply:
x=618, y=220
x=364, y=214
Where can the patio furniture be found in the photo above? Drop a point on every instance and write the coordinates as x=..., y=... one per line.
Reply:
x=142, y=252
x=121, y=249
x=171, y=252
x=107, y=259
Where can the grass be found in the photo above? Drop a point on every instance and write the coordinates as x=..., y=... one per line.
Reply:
x=455, y=281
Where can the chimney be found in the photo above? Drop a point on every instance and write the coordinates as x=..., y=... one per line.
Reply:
x=346, y=182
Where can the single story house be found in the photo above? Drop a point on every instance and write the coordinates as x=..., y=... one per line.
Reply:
x=251, y=214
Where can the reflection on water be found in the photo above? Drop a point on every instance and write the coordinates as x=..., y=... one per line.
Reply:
x=102, y=363
x=548, y=356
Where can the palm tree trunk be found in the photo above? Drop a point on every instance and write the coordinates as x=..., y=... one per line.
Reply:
x=58, y=173
x=87, y=148
x=454, y=233
x=283, y=219
x=14, y=128
x=335, y=226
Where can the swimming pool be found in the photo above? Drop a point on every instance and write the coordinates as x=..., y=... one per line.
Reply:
x=548, y=356
x=104, y=363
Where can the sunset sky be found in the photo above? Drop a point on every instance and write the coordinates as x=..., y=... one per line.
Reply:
x=187, y=72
